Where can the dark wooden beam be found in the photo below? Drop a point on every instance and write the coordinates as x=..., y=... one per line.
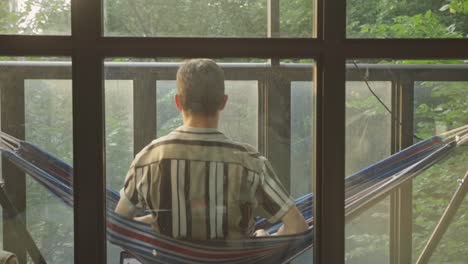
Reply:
x=88, y=133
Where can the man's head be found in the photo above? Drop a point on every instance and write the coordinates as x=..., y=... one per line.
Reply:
x=200, y=88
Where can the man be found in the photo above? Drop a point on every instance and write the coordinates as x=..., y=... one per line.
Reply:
x=199, y=184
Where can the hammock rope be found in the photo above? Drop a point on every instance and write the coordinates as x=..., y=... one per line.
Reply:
x=150, y=247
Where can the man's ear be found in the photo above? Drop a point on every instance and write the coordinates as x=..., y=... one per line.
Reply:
x=223, y=104
x=178, y=102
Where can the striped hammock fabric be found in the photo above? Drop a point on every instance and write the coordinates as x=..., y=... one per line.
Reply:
x=150, y=247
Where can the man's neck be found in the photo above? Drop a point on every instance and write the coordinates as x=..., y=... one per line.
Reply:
x=201, y=121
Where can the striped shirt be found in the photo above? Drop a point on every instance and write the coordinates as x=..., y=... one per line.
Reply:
x=199, y=184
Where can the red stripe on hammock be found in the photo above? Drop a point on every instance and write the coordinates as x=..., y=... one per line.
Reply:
x=185, y=251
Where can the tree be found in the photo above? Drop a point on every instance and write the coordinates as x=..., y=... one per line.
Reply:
x=177, y=18
x=45, y=18
x=404, y=19
x=7, y=18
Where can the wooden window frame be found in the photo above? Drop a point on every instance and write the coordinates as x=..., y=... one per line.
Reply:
x=88, y=48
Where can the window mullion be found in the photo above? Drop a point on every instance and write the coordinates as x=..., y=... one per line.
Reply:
x=88, y=130
x=330, y=149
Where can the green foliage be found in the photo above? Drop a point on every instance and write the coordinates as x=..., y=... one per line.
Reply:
x=405, y=19
x=53, y=18
x=119, y=131
x=49, y=125
x=50, y=227
x=433, y=190
x=367, y=238
x=45, y=126
x=296, y=19
x=456, y=6
x=168, y=115
x=364, y=116
x=440, y=106
x=7, y=19
x=302, y=145
x=177, y=18
x=425, y=25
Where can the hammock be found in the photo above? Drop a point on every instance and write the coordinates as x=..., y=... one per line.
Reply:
x=362, y=189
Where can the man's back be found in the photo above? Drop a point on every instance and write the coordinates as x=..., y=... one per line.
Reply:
x=198, y=184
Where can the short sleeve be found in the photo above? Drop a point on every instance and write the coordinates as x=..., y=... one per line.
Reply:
x=130, y=193
x=7, y=257
x=273, y=199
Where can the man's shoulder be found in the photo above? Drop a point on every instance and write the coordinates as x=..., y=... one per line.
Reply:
x=249, y=147
x=149, y=153
x=196, y=147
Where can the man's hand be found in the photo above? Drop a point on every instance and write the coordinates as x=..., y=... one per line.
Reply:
x=125, y=208
x=147, y=219
x=293, y=223
x=261, y=233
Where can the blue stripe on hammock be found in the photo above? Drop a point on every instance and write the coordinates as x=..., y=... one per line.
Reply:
x=361, y=175
x=148, y=249
x=235, y=245
x=61, y=187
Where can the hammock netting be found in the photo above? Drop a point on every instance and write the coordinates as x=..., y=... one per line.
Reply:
x=362, y=188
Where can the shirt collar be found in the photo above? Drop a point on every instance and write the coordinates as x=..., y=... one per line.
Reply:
x=200, y=130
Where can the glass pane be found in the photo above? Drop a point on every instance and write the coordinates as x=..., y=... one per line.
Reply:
x=405, y=104
x=456, y=241
x=302, y=144
x=35, y=17
x=431, y=200
x=37, y=108
x=240, y=119
x=168, y=117
x=119, y=139
x=407, y=19
x=367, y=235
x=368, y=125
x=296, y=18
x=440, y=106
x=302, y=133
x=368, y=139
x=119, y=129
x=208, y=18
x=192, y=144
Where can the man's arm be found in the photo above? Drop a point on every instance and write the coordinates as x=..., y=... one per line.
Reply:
x=293, y=223
x=7, y=258
x=124, y=209
x=276, y=203
x=127, y=207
